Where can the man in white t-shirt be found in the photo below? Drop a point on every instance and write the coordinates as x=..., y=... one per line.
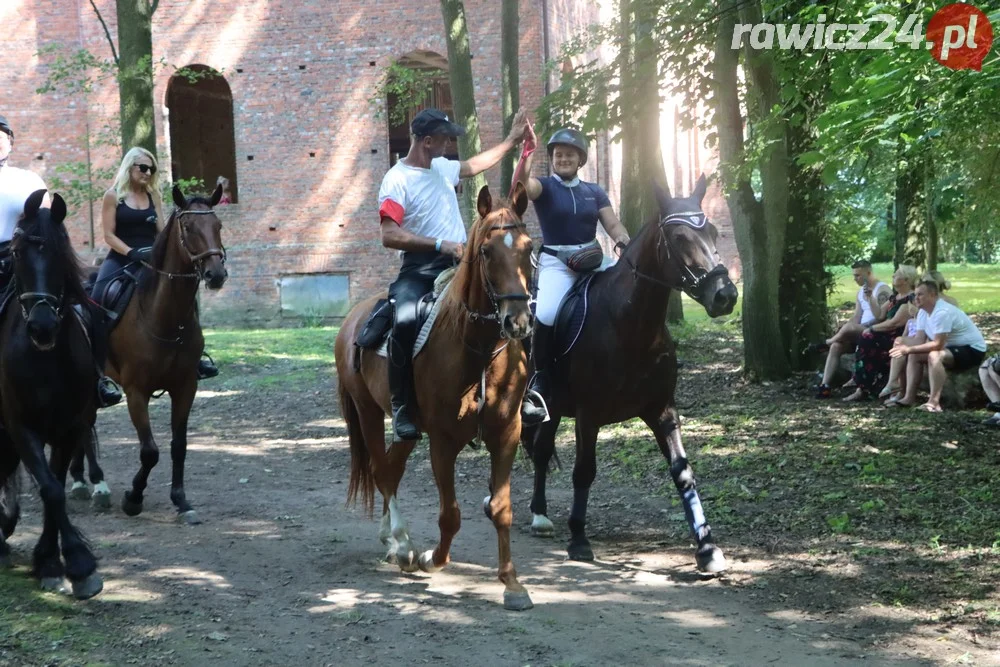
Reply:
x=869, y=308
x=953, y=342
x=16, y=185
x=419, y=215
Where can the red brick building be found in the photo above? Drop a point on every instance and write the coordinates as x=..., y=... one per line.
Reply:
x=291, y=123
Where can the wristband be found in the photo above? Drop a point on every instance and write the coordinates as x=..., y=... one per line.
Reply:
x=437, y=245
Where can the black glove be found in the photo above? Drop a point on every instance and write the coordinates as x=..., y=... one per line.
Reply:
x=140, y=254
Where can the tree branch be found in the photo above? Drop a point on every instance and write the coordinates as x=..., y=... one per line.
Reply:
x=153, y=6
x=107, y=34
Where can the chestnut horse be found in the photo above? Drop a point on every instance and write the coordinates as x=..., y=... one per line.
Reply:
x=158, y=341
x=623, y=363
x=474, y=346
x=47, y=379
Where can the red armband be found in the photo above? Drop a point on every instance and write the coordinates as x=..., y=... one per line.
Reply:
x=392, y=210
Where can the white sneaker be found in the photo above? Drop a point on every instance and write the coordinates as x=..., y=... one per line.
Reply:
x=993, y=421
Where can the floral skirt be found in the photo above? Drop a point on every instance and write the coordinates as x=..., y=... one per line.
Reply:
x=871, y=360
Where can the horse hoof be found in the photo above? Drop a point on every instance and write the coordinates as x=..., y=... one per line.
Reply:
x=79, y=491
x=580, y=551
x=517, y=601
x=130, y=508
x=101, y=500
x=426, y=562
x=711, y=560
x=53, y=584
x=189, y=517
x=486, y=507
x=89, y=587
x=407, y=559
x=541, y=526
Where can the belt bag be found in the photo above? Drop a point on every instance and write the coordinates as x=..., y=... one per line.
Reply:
x=582, y=259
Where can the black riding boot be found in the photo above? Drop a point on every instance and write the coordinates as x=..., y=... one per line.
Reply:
x=108, y=392
x=534, y=407
x=207, y=368
x=401, y=390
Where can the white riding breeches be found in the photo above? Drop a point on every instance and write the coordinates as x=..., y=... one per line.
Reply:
x=554, y=280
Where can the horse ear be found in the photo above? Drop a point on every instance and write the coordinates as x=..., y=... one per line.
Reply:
x=58, y=209
x=180, y=201
x=700, y=188
x=485, y=203
x=33, y=203
x=519, y=199
x=663, y=197
x=217, y=195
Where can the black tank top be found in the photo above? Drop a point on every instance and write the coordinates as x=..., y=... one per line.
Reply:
x=137, y=229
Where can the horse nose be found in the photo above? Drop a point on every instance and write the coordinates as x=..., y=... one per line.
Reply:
x=725, y=299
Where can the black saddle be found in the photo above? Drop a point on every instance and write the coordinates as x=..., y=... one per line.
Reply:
x=379, y=323
x=572, y=315
x=117, y=293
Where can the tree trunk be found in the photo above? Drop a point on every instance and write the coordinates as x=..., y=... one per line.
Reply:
x=930, y=221
x=509, y=82
x=642, y=159
x=464, y=95
x=135, y=74
x=759, y=228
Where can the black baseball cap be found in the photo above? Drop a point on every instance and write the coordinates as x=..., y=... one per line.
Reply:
x=430, y=122
x=5, y=126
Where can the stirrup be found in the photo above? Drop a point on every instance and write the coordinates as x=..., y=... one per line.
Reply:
x=409, y=431
x=109, y=392
x=534, y=409
x=207, y=368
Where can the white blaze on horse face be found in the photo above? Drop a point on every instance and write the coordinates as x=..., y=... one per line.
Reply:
x=508, y=240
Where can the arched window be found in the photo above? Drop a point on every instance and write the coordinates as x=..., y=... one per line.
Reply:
x=432, y=81
x=202, y=141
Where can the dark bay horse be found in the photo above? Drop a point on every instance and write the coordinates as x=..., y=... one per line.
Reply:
x=623, y=363
x=47, y=379
x=473, y=352
x=158, y=341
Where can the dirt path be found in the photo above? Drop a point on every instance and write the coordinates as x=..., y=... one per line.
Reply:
x=281, y=573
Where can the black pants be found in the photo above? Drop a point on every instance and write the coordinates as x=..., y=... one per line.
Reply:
x=112, y=267
x=416, y=278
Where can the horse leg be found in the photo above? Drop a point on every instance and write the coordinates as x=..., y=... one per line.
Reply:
x=666, y=428
x=81, y=566
x=10, y=509
x=396, y=459
x=545, y=446
x=149, y=455
x=443, y=455
x=79, y=490
x=502, y=454
x=47, y=566
x=584, y=472
x=180, y=409
x=101, y=499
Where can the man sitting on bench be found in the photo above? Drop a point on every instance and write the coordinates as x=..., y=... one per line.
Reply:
x=953, y=343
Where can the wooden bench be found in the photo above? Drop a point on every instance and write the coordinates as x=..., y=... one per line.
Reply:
x=962, y=391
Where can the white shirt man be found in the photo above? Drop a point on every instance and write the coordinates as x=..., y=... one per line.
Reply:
x=15, y=185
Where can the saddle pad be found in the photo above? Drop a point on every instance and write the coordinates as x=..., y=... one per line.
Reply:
x=572, y=315
x=441, y=286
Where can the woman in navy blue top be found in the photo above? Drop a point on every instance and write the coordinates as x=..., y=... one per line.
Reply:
x=568, y=211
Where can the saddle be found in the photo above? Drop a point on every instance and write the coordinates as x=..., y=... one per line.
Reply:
x=117, y=294
x=375, y=334
x=572, y=315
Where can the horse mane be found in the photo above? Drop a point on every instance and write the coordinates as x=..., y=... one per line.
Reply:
x=468, y=276
x=56, y=237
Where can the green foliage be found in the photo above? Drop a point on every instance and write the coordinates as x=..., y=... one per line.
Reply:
x=405, y=88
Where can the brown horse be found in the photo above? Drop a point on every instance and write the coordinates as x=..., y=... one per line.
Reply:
x=158, y=341
x=623, y=363
x=474, y=344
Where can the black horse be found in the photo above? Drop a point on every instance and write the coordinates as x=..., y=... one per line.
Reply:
x=622, y=364
x=47, y=379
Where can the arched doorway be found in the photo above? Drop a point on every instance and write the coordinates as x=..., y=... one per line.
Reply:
x=202, y=139
x=432, y=69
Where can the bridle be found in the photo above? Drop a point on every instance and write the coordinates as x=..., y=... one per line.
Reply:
x=689, y=281
x=36, y=299
x=491, y=293
x=196, y=260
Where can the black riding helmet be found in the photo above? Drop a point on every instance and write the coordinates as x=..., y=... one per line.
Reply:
x=569, y=137
x=5, y=127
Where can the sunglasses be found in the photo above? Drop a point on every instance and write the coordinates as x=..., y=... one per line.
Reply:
x=146, y=168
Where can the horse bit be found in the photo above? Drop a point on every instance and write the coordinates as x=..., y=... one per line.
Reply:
x=53, y=302
x=689, y=282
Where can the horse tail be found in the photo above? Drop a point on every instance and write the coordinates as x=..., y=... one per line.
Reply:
x=362, y=479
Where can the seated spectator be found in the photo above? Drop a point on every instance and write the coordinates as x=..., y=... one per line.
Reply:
x=989, y=375
x=872, y=296
x=871, y=365
x=953, y=343
x=943, y=285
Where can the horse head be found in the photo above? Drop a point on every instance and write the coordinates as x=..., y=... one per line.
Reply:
x=200, y=234
x=45, y=268
x=690, y=261
x=501, y=245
